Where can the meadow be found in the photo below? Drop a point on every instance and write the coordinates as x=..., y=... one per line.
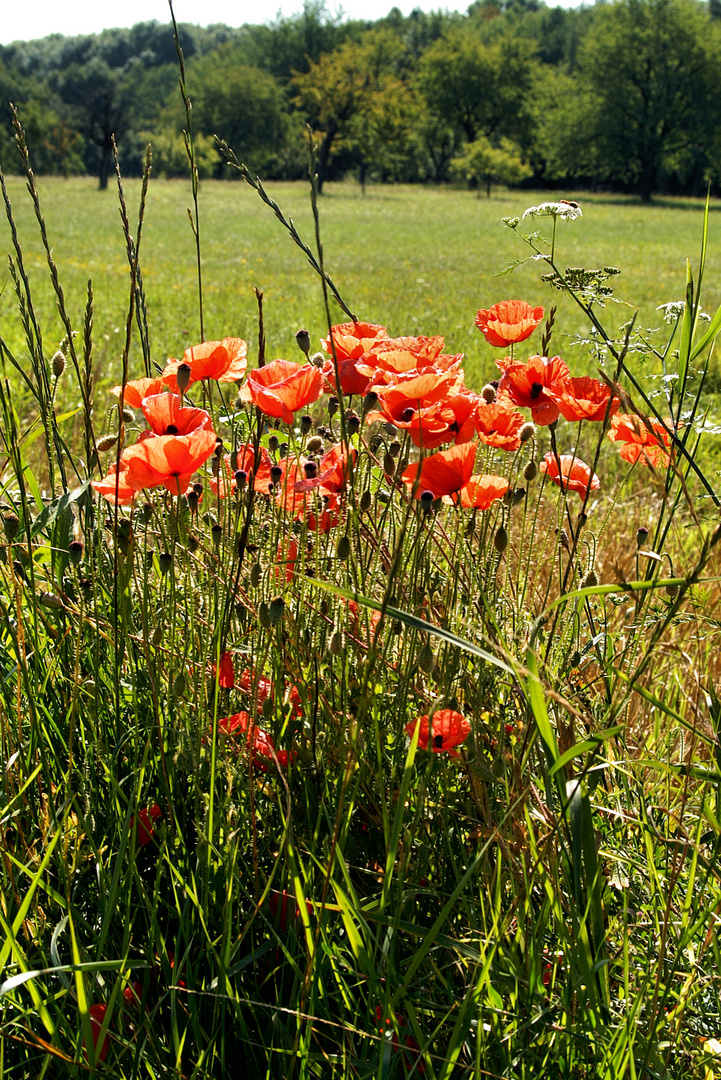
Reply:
x=357, y=720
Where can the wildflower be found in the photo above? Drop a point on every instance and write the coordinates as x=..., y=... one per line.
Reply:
x=499, y=427
x=138, y=389
x=114, y=487
x=226, y=672
x=482, y=491
x=281, y=388
x=583, y=399
x=564, y=210
x=445, y=731
x=97, y=1015
x=264, y=751
x=224, y=361
x=508, y=322
x=351, y=341
x=167, y=461
x=226, y=483
x=146, y=817
x=285, y=914
x=646, y=441
x=419, y=406
x=444, y=473
x=167, y=416
x=262, y=688
x=527, y=385
x=574, y=474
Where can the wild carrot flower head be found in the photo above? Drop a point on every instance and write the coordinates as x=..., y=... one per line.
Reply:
x=573, y=475
x=508, y=322
x=444, y=732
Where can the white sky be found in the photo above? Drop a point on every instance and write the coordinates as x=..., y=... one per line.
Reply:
x=24, y=21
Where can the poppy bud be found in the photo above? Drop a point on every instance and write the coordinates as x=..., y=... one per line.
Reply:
x=241, y=478
x=332, y=405
x=563, y=537
x=315, y=445
x=182, y=377
x=582, y=519
x=264, y=616
x=198, y=487
x=192, y=501
x=641, y=536
x=500, y=540
x=209, y=518
x=426, y=660
x=238, y=403
x=365, y=501
x=106, y=443
x=125, y=536
x=75, y=552
x=275, y=610
x=370, y=401
x=426, y=500
x=215, y=467
x=128, y=416
x=255, y=575
x=165, y=561
x=352, y=423
x=390, y=429
x=306, y=423
x=317, y=360
x=311, y=470
x=273, y=443
x=527, y=432
x=50, y=600
x=267, y=706
x=303, y=339
x=343, y=549
x=157, y=635
x=488, y=393
x=671, y=591
x=324, y=606
x=590, y=581
x=276, y=473
x=58, y=364
x=335, y=647
x=531, y=471
x=519, y=495
x=375, y=443
x=383, y=496
x=193, y=543
x=11, y=524
x=283, y=450
x=389, y=465
x=394, y=449
x=217, y=534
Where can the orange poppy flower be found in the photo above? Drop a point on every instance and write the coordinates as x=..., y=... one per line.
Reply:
x=354, y=619
x=353, y=340
x=116, y=488
x=638, y=443
x=329, y=517
x=332, y=472
x=167, y=461
x=138, y=389
x=508, y=322
x=391, y=358
x=419, y=406
x=281, y=388
x=444, y=473
x=224, y=361
x=97, y=1015
x=583, y=399
x=447, y=730
x=166, y=415
x=226, y=674
x=146, y=817
x=287, y=556
x=499, y=427
x=575, y=475
x=225, y=483
x=481, y=491
x=351, y=379
x=526, y=384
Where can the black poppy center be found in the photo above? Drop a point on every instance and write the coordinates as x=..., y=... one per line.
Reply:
x=407, y=414
x=171, y=429
x=536, y=389
x=438, y=741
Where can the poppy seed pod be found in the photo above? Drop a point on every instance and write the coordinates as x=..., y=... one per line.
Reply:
x=531, y=471
x=241, y=478
x=165, y=561
x=182, y=377
x=500, y=540
x=106, y=443
x=303, y=339
x=264, y=615
x=75, y=552
x=426, y=660
x=527, y=432
x=365, y=501
x=343, y=549
x=11, y=524
x=217, y=534
x=193, y=543
x=315, y=445
x=311, y=470
x=370, y=401
x=352, y=423
x=590, y=581
x=335, y=646
x=255, y=573
x=273, y=443
x=306, y=423
x=58, y=364
x=332, y=405
x=276, y=473
x=641, y=536
x=488, y=393
x=198, y=488
x=192, y=501
x=275, y=611
x=426, y=499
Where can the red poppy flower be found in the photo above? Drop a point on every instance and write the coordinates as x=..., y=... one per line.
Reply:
x=650, y=447
x=263, y=745
x=419, y=406
x=138, y=389
x=354, y=339
x=391, y=359
x=526, y=385
x=97, y=1015
x=167, y=416
x=499, y=427
x=283, y=914
x=351, y=379
x=146, y=817
x=447, y=730
x=575, y=475
x=226, y=675
x=281, y=388
x=508, y=322
x=133, y=993
x=481, y=491
x=583, y=399
x=224, y=361
x=332, y=472
x=167, y=461
x=444, y=473
x=287, y=556
x=263, y=689
x=225, y=484
x=113, y=487
x=354, y=619
x=464, y=407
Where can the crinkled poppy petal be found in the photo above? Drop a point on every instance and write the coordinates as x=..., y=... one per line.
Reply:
x=508, y=322
x=138, y=389
x=444, y=473
x=573, y=475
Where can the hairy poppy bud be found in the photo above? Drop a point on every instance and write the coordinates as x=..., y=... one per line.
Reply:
x=518, y=496
x=590, y=581
x=565, y=542
x=275, y=610
x=264, y=615
x=332, y=405
x=125, y=536
x=51, y=600
x=352, y=423
x=324, y=606
x=582, y=519
x=165, y=561
x=383, y=496
x=370, y=401
x=500, y=540
x=182, y=377
x=426, y=660
x=283, y=450
x=306, y=423
x=641, y=536
x=311, y=470
x=303, y=339
x=58, y=364
x=11, y=524
x=365, y=501
x=488, y=393
x=128, y=416
x=671, y=591
x=216, y=533
x=394, y=449
x=315, y=445
x=273, y=443
x=267, y=706
x=179, y=684
x=106, y=443
x=157, y=635
x=193, y=543
x=389, y=465
x=343, y=549
x=276, y=473
x=531, y=471
x=335, y=647
x=255, y=573
x=527, y=432
x=317, y=360
x=375, y=443
x=75, y=552
x=390, y=429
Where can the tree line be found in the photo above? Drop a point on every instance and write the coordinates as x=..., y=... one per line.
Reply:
x=624, y=95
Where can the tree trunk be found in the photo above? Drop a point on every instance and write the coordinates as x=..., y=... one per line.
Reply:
x=324, y=154
x=104, y=168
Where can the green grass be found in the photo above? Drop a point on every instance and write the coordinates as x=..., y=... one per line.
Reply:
x=419, y=260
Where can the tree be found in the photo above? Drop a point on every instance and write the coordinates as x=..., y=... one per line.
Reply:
x=484, y=163
x=100, y=99
x=647, y=70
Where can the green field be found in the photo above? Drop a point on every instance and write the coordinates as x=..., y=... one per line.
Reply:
x=420, y=260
